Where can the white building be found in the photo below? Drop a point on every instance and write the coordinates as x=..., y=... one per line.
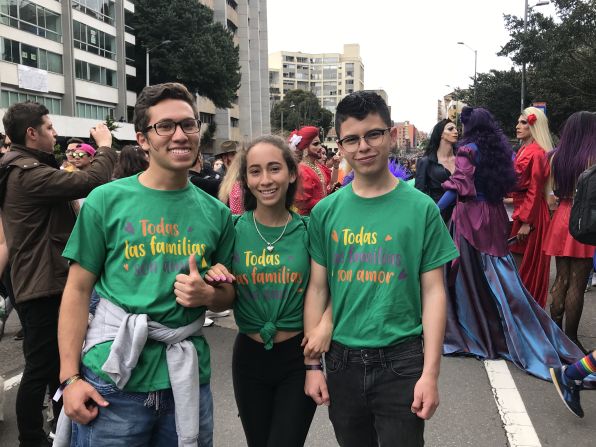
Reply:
x=73, y=56
x=330, y=76
x=248, y=117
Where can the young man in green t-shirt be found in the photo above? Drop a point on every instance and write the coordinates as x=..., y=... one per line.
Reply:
x=144, y=242
x=377, y=247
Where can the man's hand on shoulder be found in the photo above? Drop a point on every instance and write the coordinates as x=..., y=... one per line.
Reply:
x=102, y=135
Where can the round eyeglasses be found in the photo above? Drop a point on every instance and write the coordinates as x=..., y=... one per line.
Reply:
x=373, y=138
x=168, y=127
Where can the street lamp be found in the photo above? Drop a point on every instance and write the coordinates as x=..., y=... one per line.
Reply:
x=475, y=67
x=523, y=76
x=147, y=51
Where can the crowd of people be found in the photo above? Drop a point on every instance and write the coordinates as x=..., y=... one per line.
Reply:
x=118, y=261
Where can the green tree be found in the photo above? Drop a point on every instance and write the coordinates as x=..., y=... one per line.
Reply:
x=498, y=91
x=201, y=54
x=560, y=56
x=300, y=108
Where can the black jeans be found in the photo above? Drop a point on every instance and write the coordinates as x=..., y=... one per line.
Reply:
x=42, y=366
x=371, y=393
x=269, y=390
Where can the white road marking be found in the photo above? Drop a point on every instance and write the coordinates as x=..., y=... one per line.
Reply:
x=518, y=426
x=12, y=382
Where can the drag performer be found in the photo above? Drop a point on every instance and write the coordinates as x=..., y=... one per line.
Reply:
x=271, y=267
x=316, y=179
x=530, y=215
x=438, y=162
x=490, y=314
x=575, y=153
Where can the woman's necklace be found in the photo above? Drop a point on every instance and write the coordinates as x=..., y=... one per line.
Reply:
x=315, y=168
x=270, y=245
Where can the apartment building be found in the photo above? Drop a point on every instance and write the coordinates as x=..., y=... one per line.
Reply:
x=406, y=135
x=73, y=56
x=330, y=76
x=248, y=117
x=77, y=56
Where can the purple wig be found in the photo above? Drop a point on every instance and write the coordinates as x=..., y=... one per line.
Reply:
x=395, y=167
x=575, y=153
x=495, y=175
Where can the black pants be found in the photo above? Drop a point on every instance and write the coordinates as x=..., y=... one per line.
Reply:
x=42, y=366
x=371, y=393
x=269, y=390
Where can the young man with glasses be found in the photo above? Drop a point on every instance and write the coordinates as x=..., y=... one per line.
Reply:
x=377, y=247
x=144, y=242
x=38, y=216
x=316, y=179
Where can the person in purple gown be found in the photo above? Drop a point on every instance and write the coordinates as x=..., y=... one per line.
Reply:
x=490, y=314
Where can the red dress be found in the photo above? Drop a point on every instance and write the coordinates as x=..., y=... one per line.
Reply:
x=558, y=240
x=533, y=170
x=310, y=188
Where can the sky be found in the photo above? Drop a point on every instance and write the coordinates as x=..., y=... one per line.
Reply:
x=408, y=48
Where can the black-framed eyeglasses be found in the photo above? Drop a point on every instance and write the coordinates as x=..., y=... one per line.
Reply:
x=168, y=127
x=373, y=138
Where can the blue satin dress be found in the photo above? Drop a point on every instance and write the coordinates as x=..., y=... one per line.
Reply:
x=490, y=314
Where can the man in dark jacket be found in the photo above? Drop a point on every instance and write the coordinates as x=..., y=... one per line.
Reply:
x=38, y=217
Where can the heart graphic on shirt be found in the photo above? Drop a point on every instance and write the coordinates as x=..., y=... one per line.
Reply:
x=126, y=267
x=334, y=236
x=189, y=230
x=388, y=237
x=402, y=275
x=129, y=228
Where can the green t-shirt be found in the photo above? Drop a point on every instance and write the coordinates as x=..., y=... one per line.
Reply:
x=270, y=286
x=136, y=240
x=375, y=250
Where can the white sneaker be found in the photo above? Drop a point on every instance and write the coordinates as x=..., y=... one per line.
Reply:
x=208, y=322
x=210, y=314
x=594, y=280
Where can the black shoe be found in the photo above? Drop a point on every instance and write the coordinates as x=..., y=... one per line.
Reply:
x=19, y=336
x=2, y=325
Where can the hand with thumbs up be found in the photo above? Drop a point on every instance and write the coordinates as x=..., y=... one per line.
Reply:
x=191, y=290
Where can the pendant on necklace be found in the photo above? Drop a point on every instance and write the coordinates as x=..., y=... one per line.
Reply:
x=269, y=248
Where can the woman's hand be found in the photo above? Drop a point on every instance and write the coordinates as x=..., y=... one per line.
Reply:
x=318, y=340
x=218, y=274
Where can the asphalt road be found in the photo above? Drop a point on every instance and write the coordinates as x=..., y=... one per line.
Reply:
x=467, y=416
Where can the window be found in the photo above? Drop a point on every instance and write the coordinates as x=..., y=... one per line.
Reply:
x=233, y=4
x=329, y=72
x=234, y=122
x=289, y=58
x=9, y=97
x=35, y=19
x=206, y=118
x=350, y=69
x=93, y=40
x=94, y=111
x=94, y=73
x=100, y=9
x=20, y=53
x=129, y=49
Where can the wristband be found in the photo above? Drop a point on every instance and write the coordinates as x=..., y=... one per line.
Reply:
x=70, y=380
x=317, y=367
x=64, y=384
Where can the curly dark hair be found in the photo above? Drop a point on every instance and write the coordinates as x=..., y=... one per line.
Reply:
x=250, y=202
x=495, y=175
x=132, y=160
